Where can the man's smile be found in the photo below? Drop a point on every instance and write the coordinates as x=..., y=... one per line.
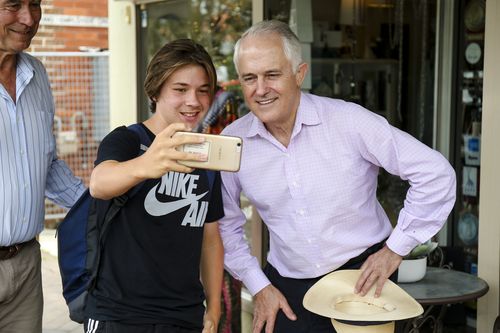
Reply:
x=266, y=101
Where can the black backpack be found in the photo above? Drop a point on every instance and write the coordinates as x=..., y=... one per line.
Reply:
x=79, y=239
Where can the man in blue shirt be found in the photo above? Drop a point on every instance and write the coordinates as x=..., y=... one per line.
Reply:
x=29, y=168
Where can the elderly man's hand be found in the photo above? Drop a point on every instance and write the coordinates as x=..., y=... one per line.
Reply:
x=376, y=270
x=267, y=303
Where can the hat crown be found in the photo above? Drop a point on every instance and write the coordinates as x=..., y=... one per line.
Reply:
x=358, y=305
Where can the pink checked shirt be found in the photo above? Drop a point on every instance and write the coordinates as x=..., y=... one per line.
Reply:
x=318, y=195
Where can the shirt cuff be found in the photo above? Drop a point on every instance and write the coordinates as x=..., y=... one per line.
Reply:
x=401, y=243
x=255, y=281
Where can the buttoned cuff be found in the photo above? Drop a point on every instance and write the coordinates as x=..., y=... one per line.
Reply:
x=401, y=243
x=255, y=281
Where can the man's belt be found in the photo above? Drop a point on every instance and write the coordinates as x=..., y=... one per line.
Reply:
x=360, y=259
x=7, y=252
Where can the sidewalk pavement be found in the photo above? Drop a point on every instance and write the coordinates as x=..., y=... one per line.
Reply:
x=55, y=312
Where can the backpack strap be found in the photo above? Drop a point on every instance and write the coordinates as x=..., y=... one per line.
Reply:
x=144, y=139
x=211, y=179
x=144, y=143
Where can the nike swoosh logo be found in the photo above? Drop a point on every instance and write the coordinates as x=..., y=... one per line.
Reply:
x=157, y=208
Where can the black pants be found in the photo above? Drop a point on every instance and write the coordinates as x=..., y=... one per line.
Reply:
x=96, y=326
x=294, y=291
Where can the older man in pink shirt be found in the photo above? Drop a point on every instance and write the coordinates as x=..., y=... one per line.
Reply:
x=310, y=167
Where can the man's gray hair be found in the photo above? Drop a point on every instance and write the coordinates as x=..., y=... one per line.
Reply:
x=291, y=43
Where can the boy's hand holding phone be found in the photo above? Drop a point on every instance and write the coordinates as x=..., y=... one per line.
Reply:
x=163, y=154
x=224, y=152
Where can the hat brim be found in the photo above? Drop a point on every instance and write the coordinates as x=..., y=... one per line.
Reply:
x=347, y=328
x=333, y=297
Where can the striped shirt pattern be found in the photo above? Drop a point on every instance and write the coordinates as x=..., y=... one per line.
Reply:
x=29, y=167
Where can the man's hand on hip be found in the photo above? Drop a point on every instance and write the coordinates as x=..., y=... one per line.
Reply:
x=376, y=270
x=267, y=303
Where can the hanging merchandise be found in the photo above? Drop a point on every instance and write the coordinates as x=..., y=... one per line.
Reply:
x=223, y=112
x=222, y=99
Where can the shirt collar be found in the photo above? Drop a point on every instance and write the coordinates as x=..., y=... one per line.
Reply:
x=307, y=115
x=24, y=66
x=25, y=72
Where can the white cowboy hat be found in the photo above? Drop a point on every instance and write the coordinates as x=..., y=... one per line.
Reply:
x=333, y=297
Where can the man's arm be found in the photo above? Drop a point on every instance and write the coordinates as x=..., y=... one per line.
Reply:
x=62, y=186
x=428, y=202
x=242, y=265
x=238, y=259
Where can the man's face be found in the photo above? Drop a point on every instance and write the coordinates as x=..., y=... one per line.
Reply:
x=19, y=21
x=184, y=97
x=270, y=85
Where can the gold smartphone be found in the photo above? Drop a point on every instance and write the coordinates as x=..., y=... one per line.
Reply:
x=223, y=151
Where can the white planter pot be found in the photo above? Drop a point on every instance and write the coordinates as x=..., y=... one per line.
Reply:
x=412, y=270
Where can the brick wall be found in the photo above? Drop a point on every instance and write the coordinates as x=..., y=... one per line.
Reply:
x=62, y=38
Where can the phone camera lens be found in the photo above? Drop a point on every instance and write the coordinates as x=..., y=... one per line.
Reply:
x=238, y=144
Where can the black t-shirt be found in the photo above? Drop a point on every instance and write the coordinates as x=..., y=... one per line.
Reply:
x=149, y=269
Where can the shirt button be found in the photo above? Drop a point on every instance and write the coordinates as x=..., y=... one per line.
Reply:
x=295, y=184
x=25, y=185
x=301, y=212
x=22, y=152
x=309, y=241
x=318, y=265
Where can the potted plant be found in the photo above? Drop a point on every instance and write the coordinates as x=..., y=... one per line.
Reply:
x=414, y=265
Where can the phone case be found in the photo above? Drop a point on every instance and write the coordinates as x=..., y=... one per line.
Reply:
x=224, y=152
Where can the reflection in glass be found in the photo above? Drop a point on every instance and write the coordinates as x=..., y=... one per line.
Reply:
x=215, y=24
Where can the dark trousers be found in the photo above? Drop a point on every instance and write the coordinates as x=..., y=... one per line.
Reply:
x=294, y=291
x=96, y=326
